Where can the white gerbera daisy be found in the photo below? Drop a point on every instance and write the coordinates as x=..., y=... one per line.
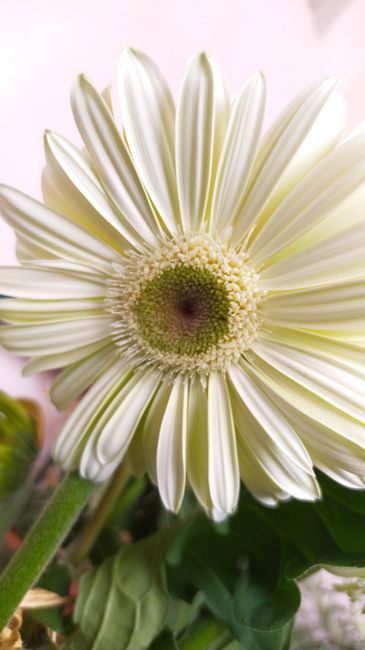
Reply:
x=206, y=283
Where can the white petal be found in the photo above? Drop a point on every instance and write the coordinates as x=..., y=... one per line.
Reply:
x=152, y=426
x=340, y=352
x=74, y=379
x=201, y=119
x=36, y=284
x=337, y=307
x=149, y=121
x=52, y=338
x=279, y=146
x=265, y=468
x=224, y=482
x=329, y=183
x=78, y=170
x=60, y=360
x=277, y=429
x=329, y=380
x=238, y=153
x=171, y=449
x=341, y=459
x=308, y=402
x=54, y=232
x=197, y=426
x=42, y=311
x=70, y=440
x=120, y=420
x=338, y=258
x=113, y=162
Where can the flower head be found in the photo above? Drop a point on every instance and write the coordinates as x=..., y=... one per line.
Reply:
x=204, y=282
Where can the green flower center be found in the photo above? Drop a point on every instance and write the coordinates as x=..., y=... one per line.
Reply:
x=184, y=310
x=187, y=307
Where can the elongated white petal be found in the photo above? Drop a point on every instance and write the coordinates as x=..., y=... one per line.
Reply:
x=70, y=440
x=238, y=153
x=62, y=196
x=340, y=352
x=50, y=338
x=224, y=480
x=42, y=311
x=37, y=284
x=330, y=380
x=255, y=477
x=60, y=360
x=80, y=173
x=197, y=428
x=171, y=449
x=74, y=379
x=339, y=258
x=337, y=307
x=113, y=163
x=201, y=118
x=149, y=121
x=269, y=418
x=280, y=145
x=152, y=426
x=116, y=428
x=265, y=467
x=308, y=402
x=326, y=186
x=341, y=459
x=54, y=232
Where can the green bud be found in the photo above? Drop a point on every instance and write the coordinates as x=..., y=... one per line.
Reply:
x=18, y=444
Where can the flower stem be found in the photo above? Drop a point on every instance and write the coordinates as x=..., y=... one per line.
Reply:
x=80, y=549
x=42, y=541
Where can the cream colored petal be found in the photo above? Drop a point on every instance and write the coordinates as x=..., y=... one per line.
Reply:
x=44, y=284
x=255, y=478
x=71, y=439
x=54, y=232
x=280, y=145
x=74, y=379
x=337, y=307
x=43, y=311
x=224, y=482
x=148, y=114
x=152, y=426
x=63, y=197
x=277, y=430
x=113, y=163
x=275, y=474
x=340, y=257
x=60, y=360
x=351, y=356
x=118, y=423
x=238, y=153
x=326, y=186
x=341, y=459
x=307, y=402
x=329, y=380
x=201, y=119
x=80, y=172
x=53, y=338
x=171, y=448
x=197, y=428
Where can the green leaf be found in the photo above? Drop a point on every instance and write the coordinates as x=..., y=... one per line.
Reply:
x=123, y=604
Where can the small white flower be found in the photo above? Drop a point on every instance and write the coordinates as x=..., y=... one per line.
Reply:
x=205, y=282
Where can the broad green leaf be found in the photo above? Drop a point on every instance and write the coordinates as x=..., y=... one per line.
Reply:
x=123, y=603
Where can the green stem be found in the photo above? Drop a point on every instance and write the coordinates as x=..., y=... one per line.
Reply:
x=42, y=541
x=80, y=549
x=205, y=632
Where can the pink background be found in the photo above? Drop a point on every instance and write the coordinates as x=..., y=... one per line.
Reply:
x=45, y=43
